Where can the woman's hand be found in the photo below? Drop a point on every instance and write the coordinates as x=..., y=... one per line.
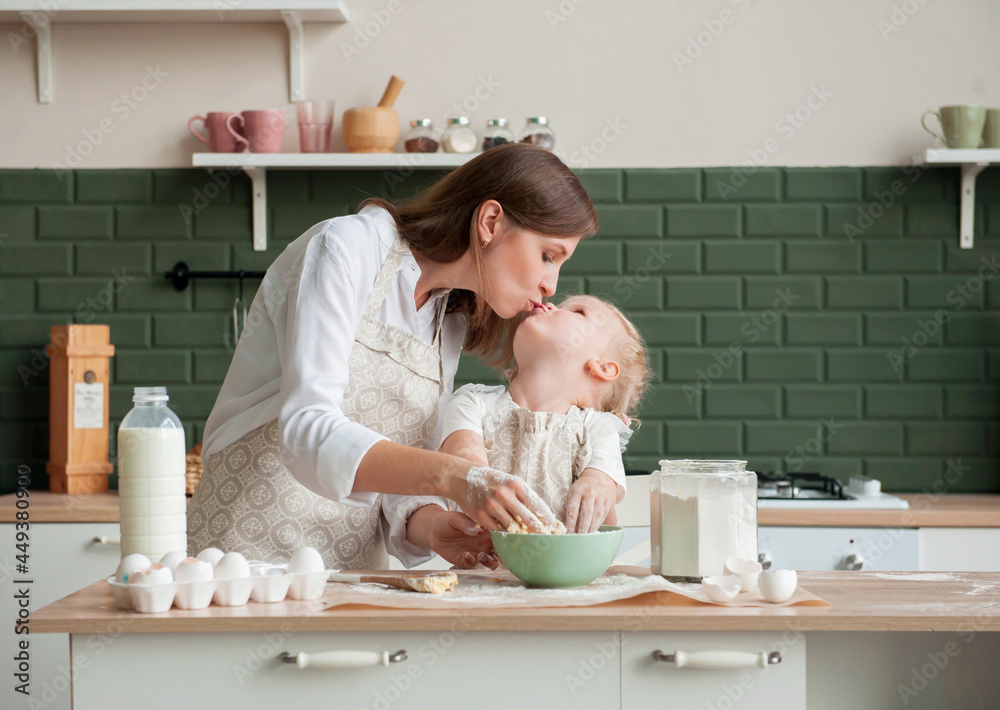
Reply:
x=494, y=499
x=591, y=497
x=458, y=539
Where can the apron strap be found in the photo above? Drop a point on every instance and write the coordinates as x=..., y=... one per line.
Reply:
x=439, y=337
x=382, y=282
x=385, y=276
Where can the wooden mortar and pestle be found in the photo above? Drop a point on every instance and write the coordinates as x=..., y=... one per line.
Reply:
x=373, y=129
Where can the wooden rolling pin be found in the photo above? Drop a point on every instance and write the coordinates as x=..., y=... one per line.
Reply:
x=432, y=583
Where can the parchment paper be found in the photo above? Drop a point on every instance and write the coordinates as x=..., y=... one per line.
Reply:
x=487, y=589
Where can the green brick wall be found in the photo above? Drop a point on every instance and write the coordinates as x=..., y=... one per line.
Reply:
x=775, y=335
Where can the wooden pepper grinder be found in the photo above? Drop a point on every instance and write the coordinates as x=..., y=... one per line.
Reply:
x=79, y=396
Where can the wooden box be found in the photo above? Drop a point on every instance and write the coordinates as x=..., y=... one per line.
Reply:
x=79, y=398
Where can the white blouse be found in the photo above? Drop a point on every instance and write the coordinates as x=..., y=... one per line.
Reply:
x=291, y=360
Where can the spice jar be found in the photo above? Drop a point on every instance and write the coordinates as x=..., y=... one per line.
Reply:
x=701, y=512
x=497, y=133
x=458, y=137
x=421, y=138
x=537, y=132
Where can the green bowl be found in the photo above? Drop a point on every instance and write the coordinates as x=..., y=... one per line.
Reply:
x=558, y=561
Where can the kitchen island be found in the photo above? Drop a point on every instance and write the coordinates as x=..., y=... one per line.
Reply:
x=889, y=640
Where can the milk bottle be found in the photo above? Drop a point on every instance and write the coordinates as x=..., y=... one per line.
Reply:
x=151, y=476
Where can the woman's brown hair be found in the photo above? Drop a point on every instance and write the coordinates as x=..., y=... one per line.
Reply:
x=536, y=190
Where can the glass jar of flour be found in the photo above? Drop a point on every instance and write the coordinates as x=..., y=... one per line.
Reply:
x=701, y=512
x=152, y=477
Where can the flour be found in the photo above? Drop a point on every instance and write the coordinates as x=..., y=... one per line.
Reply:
x=693, y=536
x=489, y=589
x=482, y=481
x=909, y=577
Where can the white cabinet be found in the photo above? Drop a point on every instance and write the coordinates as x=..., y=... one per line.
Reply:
x=836, y=548
x=651, y=683
x=445, y=669
x=63, y=559
x=960, y=549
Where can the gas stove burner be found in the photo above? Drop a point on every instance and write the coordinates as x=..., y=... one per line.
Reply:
x=811, y=486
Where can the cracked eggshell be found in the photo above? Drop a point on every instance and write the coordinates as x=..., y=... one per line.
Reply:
x=172, y=559
x=747, y=570
x=191, y=569
x=777, y=585
x=154, y=574
x=129, y=564
x=721, y=589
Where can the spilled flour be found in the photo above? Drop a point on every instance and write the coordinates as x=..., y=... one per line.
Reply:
x=909, y=577
x=485, y=589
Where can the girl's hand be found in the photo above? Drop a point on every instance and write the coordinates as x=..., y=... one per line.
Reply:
x=459, y=540
x=494, y=499
x=591, y=498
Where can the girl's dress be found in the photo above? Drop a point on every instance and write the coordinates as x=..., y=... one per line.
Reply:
x=547, y=450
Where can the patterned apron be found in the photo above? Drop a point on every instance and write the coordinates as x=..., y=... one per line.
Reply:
x=247, y=501
x=546, y=450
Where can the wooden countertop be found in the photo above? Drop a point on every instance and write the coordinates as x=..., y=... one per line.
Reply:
x=954, y=510
x=926, y=510
x=861, y=601
x=48, y=507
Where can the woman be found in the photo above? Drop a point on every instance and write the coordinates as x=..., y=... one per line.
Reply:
x=351, y=345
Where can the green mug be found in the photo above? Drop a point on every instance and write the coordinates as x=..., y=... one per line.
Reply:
x=991, y=131
x=962, y=125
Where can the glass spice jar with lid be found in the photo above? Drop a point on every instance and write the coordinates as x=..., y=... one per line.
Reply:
x=497, y=133
x=459, y=137
x=537, y=132
x=422, y=138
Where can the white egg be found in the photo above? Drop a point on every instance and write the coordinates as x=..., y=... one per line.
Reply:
x=172, y=559
x=721, y=589
x=211, y=555
x=777, y=585
x=306, y=560
x=193, y=570
x=154, y=574
x=746, y=570
x=129, y=564
x=233, y=565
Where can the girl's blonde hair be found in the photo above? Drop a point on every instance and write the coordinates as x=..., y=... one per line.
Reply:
x=634, y=375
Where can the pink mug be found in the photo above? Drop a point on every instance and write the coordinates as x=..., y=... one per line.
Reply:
x=220, y=140
x=263, y=129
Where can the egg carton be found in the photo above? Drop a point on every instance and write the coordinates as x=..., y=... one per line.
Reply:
x=267, y=583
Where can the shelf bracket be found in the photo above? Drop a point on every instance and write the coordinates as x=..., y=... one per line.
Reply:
x=258, y=184
x=968, y=203
x=296, y=52
x=43, y=45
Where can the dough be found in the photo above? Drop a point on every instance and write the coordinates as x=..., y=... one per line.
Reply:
x=518, y=526
x=437, y=583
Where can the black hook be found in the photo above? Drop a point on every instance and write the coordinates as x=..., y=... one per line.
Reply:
x=181, y=276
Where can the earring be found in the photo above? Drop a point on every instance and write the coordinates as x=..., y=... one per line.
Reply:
x=486, y=243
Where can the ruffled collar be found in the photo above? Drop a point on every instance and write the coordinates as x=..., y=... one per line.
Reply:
x=539, y=421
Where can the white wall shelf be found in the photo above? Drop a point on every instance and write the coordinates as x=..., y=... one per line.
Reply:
x=256, y=165
x=42, y=14
x=972, y=162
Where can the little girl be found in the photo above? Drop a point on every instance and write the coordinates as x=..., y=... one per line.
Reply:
x=561, y=427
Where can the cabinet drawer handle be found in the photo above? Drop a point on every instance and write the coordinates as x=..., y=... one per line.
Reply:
x=342, y=660
x=719, y=660
x=105, y=540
